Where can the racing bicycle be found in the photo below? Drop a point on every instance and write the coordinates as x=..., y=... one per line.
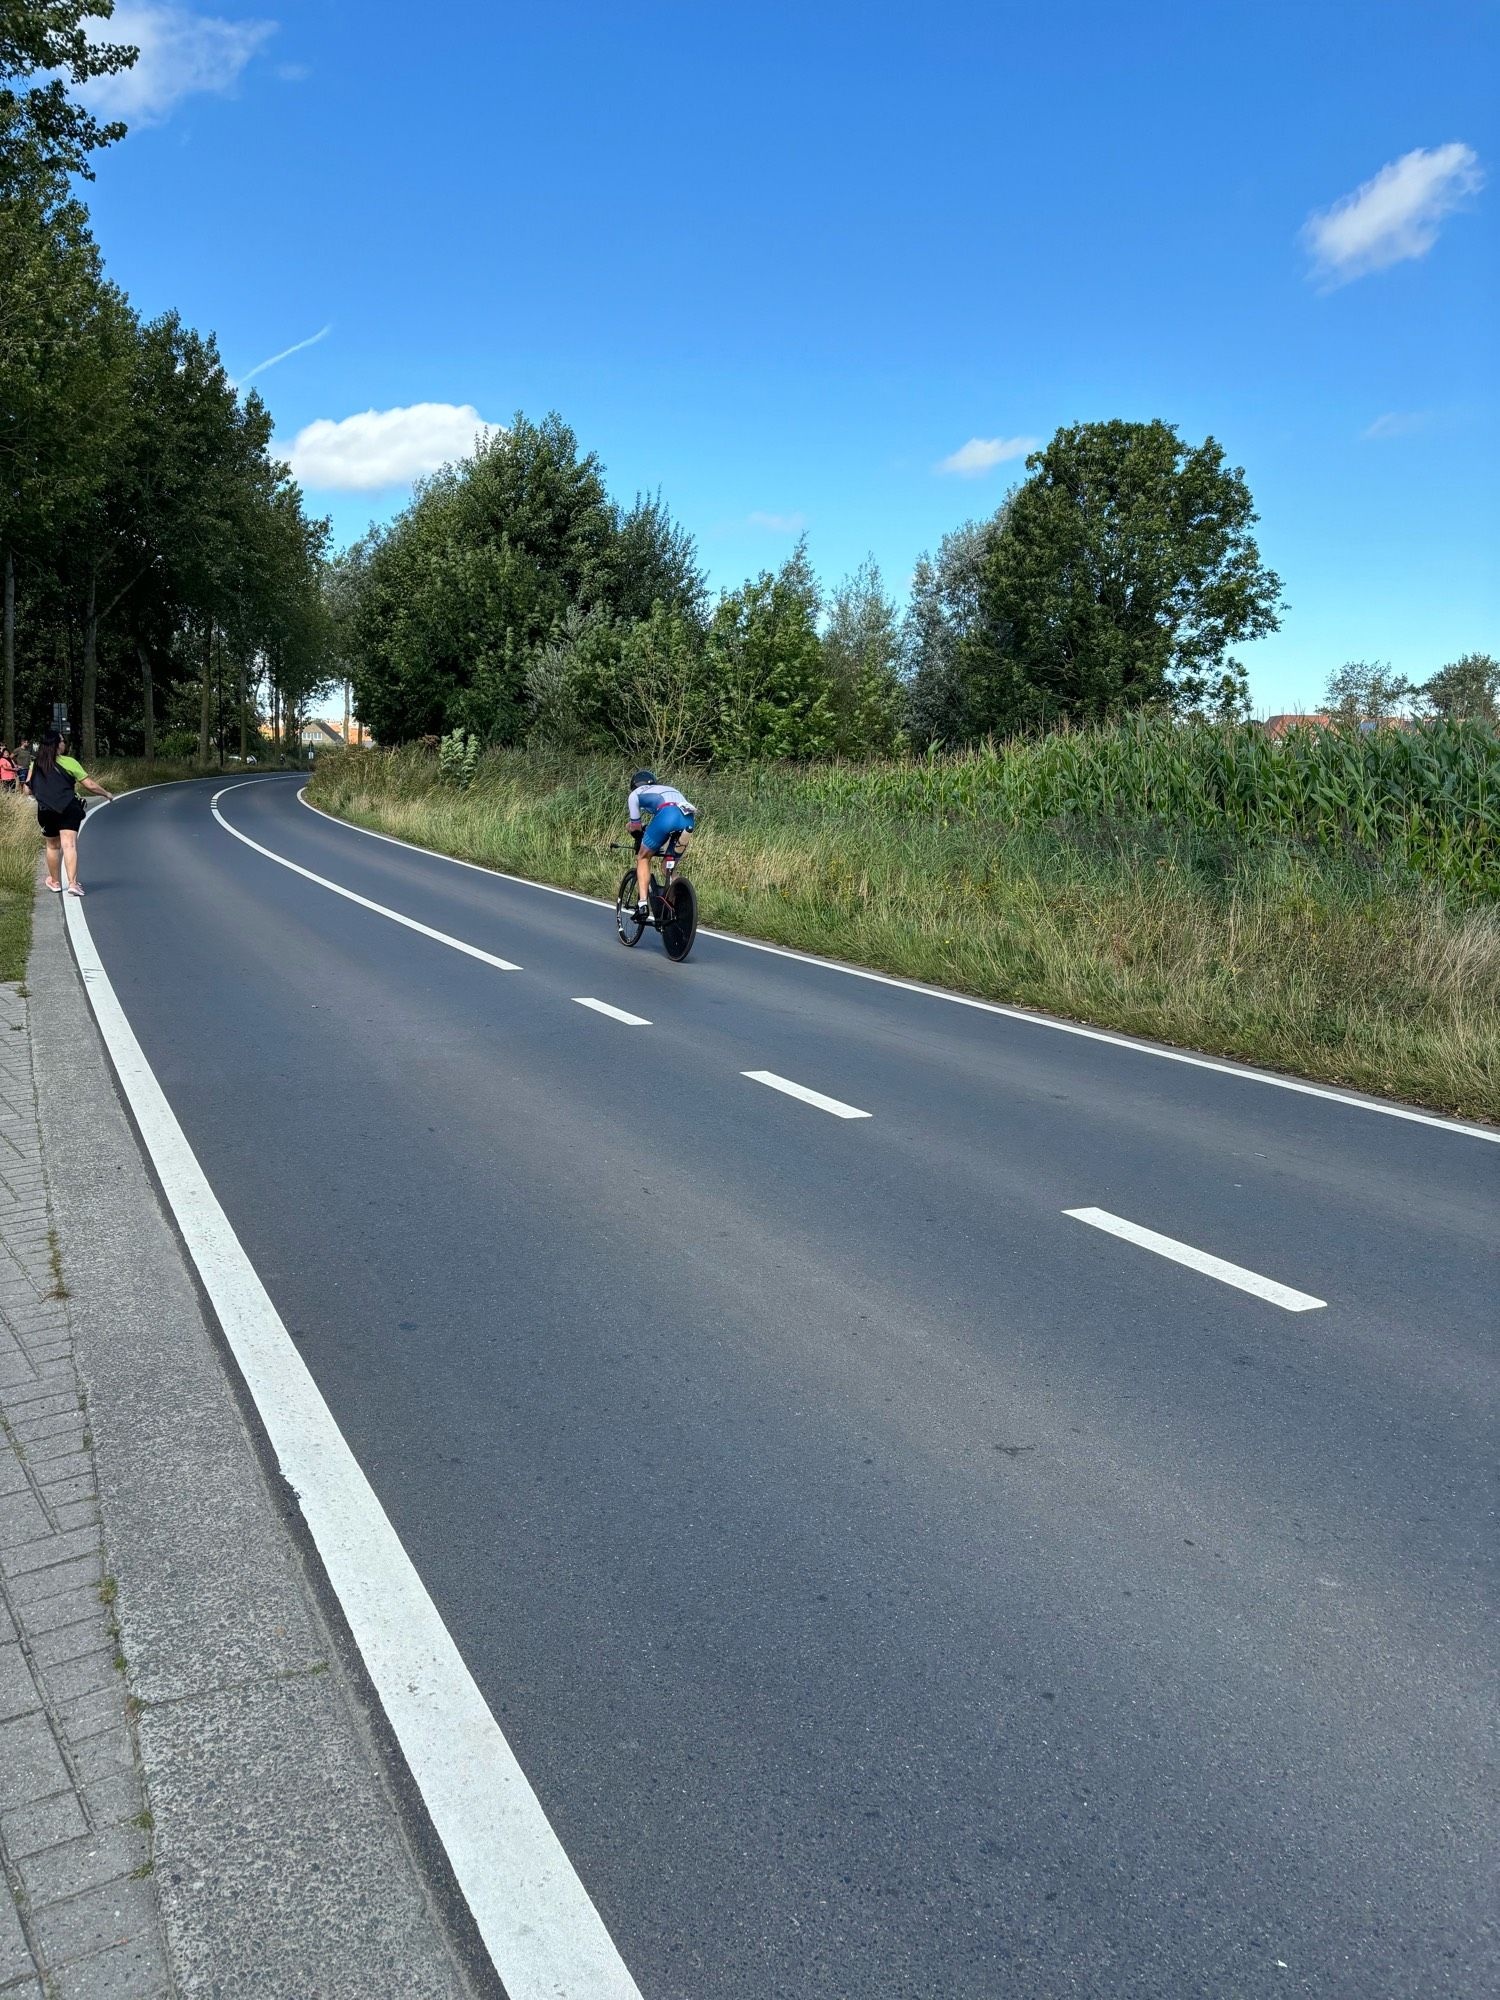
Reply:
x=674, y=904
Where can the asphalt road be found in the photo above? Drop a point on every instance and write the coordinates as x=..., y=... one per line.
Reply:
x=892, y=1584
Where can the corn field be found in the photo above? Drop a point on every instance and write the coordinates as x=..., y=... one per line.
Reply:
x=1427, y=798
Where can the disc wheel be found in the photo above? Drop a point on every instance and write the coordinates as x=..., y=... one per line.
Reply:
x=627, y=923
x=679, y=918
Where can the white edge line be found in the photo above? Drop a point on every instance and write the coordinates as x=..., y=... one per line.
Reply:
x=614, y=1013
x=800, y=1090
x=364, y=902
x=536, y=1918
x=1243, y=1071
x=1198, y=1260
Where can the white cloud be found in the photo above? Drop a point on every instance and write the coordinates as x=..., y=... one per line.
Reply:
x=285, y=354
x=1395, y=423
x=1395, y=215
x=384, y=447
x=779, y=524
x=982, y=454
x=182, y=55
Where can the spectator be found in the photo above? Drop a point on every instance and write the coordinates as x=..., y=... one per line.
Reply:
x=7, y=770
x=53, y=778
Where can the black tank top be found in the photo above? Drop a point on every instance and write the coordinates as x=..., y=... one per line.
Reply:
x=56, y=791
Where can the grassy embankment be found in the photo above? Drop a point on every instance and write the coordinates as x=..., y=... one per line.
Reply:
x=20, y=844
x=1327, y=908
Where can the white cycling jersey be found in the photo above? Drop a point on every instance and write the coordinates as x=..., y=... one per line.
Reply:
x=647, y=799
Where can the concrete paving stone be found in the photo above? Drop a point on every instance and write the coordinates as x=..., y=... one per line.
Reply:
x=30, y=1766
x=103, y=1756
x=133, y=1971
x=56, y=1580
x=16, y=1371
x=112, y=1801
x=51, y=1551
x=75, y=1514
x=67, y=1607
x=12, y=1472
x=22, y=1521
x=65, y=1422
x=76, y=1865
x=41, y=1450
x=70, y=1642
x=43, y=1825
x=7, y=1626
x=30, y=1407
x=69, y=1488
x=70, y=1678
x=90, y=1713
x=15, y=1954
x=18, y=1691
x=95, y=1920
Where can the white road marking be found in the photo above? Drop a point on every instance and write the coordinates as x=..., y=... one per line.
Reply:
x=1198, y=1260
x=537, y=1921
x=1242, y=1071
x=364, y=902
x=614, y=1013
x=830, y=1104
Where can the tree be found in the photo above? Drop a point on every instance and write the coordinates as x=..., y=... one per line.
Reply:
x=1124, y=572
x=861, y=656
x=942, y=616
x=1467, y=690
x=1365, y=691
x=765, y=662
x=44, y=133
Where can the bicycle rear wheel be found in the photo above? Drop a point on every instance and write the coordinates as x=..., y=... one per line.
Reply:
x=627, y=923
x=679, y=918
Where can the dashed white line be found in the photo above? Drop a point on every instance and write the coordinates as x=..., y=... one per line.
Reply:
x=1198, y=1260
x=815, y=1097
x=537, y=1920
x=614, y=1013
x=364, y=902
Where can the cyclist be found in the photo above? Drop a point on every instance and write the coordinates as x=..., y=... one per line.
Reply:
x=657, y=813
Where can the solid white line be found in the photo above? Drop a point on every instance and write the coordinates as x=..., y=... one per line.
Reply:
x=410, y=923
x=830, y=1104
x=614, y=1013
x=1198, y=1260
x=536, y=1919
x=1242, y=1071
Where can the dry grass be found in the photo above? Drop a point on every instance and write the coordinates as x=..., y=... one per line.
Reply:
x=1332, y=967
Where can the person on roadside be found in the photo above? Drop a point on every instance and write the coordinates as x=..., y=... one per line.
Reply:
x=7, y=770
x=53, y=778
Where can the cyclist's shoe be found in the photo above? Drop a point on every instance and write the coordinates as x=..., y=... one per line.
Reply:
x=643, y=912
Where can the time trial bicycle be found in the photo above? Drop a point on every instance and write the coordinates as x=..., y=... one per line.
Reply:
x=673, y=903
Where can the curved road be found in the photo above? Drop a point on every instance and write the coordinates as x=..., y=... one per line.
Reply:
x=892, y=1583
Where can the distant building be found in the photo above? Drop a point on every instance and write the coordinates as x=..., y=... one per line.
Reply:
x=1278, y=725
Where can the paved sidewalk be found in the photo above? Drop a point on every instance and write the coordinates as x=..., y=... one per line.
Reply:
x=78, y=1908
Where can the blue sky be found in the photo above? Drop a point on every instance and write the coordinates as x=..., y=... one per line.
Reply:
x=785, y=261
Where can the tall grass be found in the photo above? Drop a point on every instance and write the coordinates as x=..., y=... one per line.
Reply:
x=1335, y=959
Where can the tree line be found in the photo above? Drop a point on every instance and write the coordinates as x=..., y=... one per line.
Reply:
x=160, y=573
x=514, y=599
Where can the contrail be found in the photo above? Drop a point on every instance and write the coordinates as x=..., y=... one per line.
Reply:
x=261, y=366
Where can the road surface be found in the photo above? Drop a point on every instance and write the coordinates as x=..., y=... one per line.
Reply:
x=1032, y=1538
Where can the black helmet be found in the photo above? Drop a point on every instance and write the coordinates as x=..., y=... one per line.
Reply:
x=639, y=778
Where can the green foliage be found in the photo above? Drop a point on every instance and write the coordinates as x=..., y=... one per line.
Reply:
x=44, y=132
x=1366, y=691
x=1467, y=690
x=458, y=758
x=774, y=698
x=942, y=620
x=1124, y=571
x=861, y=657
x=446, y=607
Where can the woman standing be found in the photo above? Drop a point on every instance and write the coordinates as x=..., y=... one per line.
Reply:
x=53, y=781
x=7, y=770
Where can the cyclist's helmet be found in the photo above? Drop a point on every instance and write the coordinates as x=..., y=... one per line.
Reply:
x=639, y=778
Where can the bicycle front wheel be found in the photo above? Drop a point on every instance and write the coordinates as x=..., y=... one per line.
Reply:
x=627, y=923
x=679, y=919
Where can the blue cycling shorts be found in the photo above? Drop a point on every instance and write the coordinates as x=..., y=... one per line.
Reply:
x=665, y=821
